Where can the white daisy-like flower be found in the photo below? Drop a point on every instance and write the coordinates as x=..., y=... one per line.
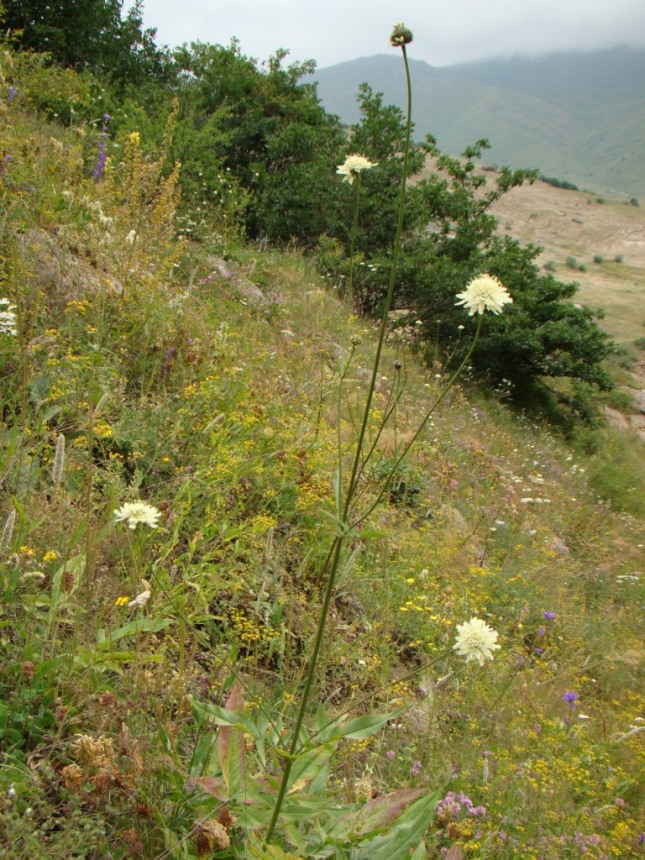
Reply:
x=137, y=512
x=353, y=165
x=8, y=319
x=484, y=293
x=139, y=600
x=476, y=641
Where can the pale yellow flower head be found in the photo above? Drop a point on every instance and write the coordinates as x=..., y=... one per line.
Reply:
x=137, y=512
x=353, y=165
x=476, y=641
x=484, y=293
x=140, y=600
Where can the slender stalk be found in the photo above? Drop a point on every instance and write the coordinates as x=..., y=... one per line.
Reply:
x=390, y=293
x=338, y=544
x=356, y=182
x=419, y=429
x=340, y=537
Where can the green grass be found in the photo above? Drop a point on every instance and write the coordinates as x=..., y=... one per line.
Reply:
x=216, y=403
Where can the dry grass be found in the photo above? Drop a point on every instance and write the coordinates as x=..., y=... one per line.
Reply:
x=574, y=224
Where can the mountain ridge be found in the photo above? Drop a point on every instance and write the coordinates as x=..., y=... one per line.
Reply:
x=579, y=116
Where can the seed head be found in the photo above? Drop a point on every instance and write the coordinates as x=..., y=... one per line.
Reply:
x=401, y=35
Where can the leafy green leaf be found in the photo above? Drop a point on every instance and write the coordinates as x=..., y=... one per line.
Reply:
x=375, y=814
x=139, y=625
x=230, y=745
x=408, y=829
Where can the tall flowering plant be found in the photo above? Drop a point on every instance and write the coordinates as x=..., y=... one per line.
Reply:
x=475, y=640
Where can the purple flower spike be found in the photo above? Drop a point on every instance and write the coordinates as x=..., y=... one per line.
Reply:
x=415, y=770
x=11, y=94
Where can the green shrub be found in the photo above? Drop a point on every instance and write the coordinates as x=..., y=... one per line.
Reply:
x=559, y=183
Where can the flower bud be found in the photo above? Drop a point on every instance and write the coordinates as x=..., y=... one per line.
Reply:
x=401, y=35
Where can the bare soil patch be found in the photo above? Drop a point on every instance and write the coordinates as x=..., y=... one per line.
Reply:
x=582, y=226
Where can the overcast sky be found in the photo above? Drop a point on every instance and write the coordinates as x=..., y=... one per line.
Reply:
x=331, y=31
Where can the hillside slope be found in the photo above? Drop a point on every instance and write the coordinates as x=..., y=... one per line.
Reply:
x=174, y=415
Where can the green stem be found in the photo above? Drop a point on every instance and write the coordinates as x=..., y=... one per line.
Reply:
x=356, y=182
x=340, y=537
x=419, y=430
x=338, y=543
x=390, y=293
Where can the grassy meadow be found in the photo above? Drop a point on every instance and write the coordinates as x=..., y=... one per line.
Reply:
x=150, y=674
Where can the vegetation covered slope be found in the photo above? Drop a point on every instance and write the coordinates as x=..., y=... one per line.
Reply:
x=201, y=380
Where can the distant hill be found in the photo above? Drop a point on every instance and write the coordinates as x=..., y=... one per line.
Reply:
x=575, y=116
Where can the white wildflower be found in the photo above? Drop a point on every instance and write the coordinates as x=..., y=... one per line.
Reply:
x=137, y=512
x=484, y=293
x=352, y=166
x=8, y=319
x=130, y=239
x=139, y=600
x=7, y=530
x=476, y=641
x=59, y=460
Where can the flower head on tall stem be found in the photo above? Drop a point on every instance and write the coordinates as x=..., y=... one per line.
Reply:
x=137, y=512
x=401, y=35
x=484, y=293
x=353, y=165
x=476, y=641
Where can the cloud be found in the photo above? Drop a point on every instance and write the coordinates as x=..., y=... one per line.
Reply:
x=444, y=33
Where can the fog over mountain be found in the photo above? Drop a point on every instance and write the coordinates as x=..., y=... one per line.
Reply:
x=579, y=116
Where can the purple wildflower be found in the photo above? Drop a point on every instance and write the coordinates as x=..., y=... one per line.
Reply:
x=101, y=155
x=541, y=631
x=390, y=755
x=549, y=616
x=570, y=698
x=11, y=94
x=416, y=768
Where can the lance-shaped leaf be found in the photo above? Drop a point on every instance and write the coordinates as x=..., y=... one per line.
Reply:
x=357, y=729
x=404, y=835
x=230, y=746
x=376, y=814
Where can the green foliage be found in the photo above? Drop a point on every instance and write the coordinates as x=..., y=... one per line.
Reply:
x=572, y=263
x=220, y=391
x=559, y=183
x=87, y=35
x=543, y=336
x=266, y=130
